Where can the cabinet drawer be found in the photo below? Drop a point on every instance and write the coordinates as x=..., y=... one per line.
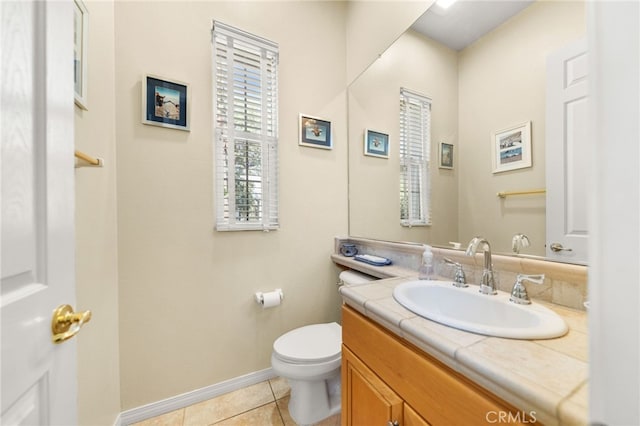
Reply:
x=437, y=393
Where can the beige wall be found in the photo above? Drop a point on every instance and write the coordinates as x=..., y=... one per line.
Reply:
x=187, y=314
x=495, y=83
x=187, y=319
x=96, y=230
x=424, y=66
x=370, y=32
x=173, y=299
x=502, y=83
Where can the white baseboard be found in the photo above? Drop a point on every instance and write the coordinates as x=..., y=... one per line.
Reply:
x=184, y=400
x=118, y=420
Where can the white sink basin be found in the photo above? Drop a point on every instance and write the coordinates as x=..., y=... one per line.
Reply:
x=467, y=309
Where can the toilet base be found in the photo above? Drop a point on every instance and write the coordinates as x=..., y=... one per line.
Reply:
x=313, y=401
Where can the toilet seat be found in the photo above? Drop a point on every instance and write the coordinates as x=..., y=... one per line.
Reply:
x=310, y=344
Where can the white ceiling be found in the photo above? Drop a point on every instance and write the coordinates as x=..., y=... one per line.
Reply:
x=466, y=20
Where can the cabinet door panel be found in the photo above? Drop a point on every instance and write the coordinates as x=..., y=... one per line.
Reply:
x=368, y=400
x=411, y=418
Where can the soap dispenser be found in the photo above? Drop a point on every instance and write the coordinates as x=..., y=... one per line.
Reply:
x=426, y=268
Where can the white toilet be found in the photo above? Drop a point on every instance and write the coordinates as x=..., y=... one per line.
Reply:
x=309, y=358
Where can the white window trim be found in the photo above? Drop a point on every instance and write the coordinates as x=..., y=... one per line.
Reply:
x=416, y=153
x=225, y=211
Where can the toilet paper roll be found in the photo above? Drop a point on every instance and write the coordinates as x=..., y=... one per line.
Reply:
x=270, y=299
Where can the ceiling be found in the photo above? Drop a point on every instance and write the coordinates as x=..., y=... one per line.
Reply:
x=466, y=20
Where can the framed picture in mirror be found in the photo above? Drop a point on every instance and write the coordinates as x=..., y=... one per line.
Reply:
x=511, y=148
x=376, y=144
x=446, y=156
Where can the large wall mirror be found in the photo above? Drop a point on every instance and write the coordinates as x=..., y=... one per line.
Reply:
x=495, y=83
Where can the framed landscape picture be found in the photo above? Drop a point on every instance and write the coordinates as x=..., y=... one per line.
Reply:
x=511, y=148
x=165, y=102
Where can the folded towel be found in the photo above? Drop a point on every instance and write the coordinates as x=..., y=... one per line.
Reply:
x=372, y=260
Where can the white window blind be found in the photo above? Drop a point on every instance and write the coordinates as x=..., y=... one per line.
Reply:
x=415, y=148
x=245, y=84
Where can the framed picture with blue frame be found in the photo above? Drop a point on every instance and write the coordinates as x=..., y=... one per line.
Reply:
x=314, y=132
x=165, y=102
x=376, y=144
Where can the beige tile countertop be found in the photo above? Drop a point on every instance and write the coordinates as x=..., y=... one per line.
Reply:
x=548, y=377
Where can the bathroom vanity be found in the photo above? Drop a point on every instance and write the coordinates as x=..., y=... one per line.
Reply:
x=400, y=367
x=386, y=379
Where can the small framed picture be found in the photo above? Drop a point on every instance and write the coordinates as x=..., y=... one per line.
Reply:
x=446, y=156
x=314, y=132
x=376, y=144
x=80, y=43
x=165, y=102
x=511, y=148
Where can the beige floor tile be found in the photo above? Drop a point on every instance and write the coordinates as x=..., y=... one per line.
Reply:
x=280, y=387
x=174, y=418
x=228, y=405
x=330, y=421
x=283, y=405
x=267, y=415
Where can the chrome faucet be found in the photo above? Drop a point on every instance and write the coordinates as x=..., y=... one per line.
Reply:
x=487, y=283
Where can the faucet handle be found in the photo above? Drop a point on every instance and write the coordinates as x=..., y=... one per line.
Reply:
x=459, y=279
x=536, y=278
x=518, y=242
x=519, y=293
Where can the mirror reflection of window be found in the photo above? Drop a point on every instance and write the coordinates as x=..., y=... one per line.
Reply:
x=415, y=146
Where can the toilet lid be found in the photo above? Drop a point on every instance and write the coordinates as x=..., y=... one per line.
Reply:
x=311, y=343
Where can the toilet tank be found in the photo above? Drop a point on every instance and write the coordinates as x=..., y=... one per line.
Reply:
x=354, y=278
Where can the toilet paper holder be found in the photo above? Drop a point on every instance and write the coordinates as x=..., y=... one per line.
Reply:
x=259, y=296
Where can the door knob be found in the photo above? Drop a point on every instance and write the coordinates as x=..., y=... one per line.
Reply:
x=65, y=323
x=556, y=247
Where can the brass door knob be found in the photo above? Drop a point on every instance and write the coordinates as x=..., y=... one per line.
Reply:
x=65, y=323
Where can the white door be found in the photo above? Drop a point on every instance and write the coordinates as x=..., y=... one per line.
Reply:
x=567, y=152
x=37, y=204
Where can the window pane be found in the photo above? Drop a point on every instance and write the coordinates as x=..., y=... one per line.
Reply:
x=248, y=178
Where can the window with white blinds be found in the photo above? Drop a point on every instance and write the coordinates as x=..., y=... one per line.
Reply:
x=415, y=148
x=245, y=85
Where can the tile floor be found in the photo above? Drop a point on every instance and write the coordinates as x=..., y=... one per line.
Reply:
x=263, y=404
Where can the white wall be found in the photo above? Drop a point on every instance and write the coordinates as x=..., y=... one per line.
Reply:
x=614, y=319
x=96, y=230
x=187, y=314
x=502, y=84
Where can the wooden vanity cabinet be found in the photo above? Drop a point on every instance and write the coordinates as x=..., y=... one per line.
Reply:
x=370, y=400
x=386, y=380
